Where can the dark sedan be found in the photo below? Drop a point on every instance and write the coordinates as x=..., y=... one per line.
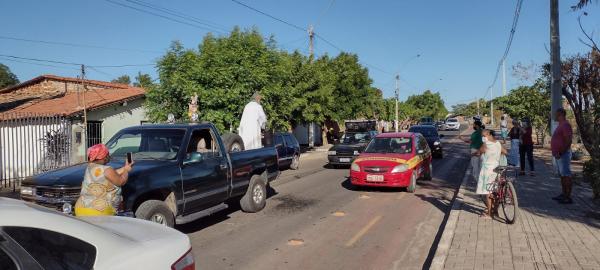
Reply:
x=433, y=138
x=350, y=146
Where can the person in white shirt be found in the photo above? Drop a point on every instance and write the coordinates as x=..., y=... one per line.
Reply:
x=253, y=120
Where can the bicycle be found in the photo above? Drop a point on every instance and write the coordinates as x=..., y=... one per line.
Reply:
x=503, y=191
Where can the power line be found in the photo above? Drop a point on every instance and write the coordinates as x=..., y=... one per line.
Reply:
x=40, y=60
x=508, y=44
x=121, y=66
x=179, y=14
x=37, y=64
x=71, y=63
x=270, y=16
x=161, y=15
x=323, y=13
x=74, y=44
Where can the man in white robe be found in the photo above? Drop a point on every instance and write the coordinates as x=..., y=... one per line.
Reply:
x=253, y=120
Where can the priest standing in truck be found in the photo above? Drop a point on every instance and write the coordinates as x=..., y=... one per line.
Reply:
x=253, y=121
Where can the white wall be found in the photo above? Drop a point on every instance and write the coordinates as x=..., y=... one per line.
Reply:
x=117, y=117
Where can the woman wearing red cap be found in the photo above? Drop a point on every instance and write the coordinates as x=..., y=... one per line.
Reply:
x=101, y=187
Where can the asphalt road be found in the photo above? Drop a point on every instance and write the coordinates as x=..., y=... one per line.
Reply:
x=315, y=220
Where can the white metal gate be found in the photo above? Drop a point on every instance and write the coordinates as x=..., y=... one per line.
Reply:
x=30, y=144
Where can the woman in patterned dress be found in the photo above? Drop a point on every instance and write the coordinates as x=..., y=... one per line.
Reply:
x=101, y=187
x=491, y=151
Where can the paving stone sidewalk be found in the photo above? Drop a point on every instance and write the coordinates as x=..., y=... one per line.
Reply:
x=546, y=235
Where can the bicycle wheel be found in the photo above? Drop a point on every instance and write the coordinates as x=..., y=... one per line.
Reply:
x=510, y=203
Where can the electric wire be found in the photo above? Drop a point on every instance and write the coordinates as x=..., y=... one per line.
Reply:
x=75, y=44
x=508, y=45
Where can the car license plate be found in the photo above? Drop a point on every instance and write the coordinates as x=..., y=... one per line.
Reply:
x=374, y=178
x=344, y=159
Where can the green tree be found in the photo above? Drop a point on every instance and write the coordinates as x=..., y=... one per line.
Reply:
x=143, y=81
x=427, y=104
x=124, y=79
x=7, y=78
x=531, y=102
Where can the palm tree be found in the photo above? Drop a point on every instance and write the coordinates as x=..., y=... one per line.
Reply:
x=582, y=4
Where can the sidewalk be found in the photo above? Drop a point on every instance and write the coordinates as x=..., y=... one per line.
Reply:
x=546, y=235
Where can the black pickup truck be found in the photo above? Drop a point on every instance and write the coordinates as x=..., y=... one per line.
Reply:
x=175, y=179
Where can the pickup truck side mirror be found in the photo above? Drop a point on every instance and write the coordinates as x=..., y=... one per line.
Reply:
x=193, y=157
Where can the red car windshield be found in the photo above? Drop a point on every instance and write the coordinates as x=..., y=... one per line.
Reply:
x=390, y=146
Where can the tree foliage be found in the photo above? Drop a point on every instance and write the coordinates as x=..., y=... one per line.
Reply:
x=143, y=81
x=532, y=102
x=427, y=104
x=581, y=89
x=124, y=79
x=225, y=71
x=7, y=78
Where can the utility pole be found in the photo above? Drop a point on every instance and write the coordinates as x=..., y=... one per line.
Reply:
x=397, y=97
x=311, y=129
x=311, y=37
x=503, y=78
x=555, y=84
x=492, y=105
x=85, y=128
x=478, y=111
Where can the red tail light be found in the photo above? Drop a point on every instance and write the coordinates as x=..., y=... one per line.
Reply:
x=186, y=262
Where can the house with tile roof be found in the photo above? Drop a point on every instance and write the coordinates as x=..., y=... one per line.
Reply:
x=94, y=111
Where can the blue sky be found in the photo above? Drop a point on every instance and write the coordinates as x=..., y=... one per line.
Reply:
x=460, y=42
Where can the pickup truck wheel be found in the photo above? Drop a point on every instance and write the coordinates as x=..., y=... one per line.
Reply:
x=255, y=198
x=156, y=211
x=295, y=162
x=233, y=142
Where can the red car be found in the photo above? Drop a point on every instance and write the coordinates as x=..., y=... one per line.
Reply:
x=393, y=160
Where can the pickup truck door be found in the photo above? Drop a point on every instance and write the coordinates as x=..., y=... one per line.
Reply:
x=205, y=173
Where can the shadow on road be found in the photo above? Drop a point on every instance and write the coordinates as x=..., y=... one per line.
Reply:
x=205, y=222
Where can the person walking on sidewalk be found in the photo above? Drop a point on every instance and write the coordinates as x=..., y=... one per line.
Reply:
x=515, y=141
x=475, y=144
x=526, y=148
x=491, y=152
x=561, y=151
x=503, y=128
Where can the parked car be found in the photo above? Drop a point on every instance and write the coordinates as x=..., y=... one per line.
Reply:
x=288, y=150
x=452, y=124
x=433, y=139
x=393, y=160
x=440, y=125
x=358, y=134
x=175, y=179
x=35, y=238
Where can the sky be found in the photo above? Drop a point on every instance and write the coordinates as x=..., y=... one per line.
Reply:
x=459, y=43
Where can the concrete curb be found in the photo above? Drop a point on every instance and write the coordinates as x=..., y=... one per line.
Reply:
x=443, y=247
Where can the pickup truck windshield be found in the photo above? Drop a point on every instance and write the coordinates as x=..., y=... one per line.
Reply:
x=390, y=145
x=160, y=144
x=356, y=137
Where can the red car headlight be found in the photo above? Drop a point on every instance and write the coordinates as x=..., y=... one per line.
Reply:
x=400, y=168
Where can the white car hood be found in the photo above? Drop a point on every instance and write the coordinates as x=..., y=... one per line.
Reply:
x=158, y=246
